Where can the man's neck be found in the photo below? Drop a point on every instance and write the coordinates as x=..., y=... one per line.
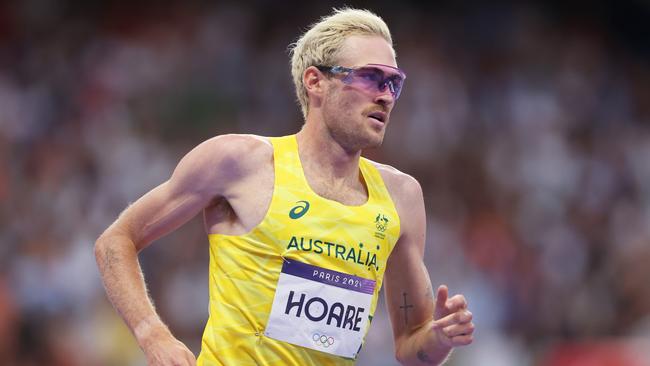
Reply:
x=318, y=148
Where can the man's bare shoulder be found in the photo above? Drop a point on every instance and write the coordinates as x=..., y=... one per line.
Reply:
x=404, y=189
x=235, y=152
x=237, y=145
x=396, y=180
x=215, y=164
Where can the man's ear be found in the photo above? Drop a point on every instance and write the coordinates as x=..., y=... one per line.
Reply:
x=312, y=80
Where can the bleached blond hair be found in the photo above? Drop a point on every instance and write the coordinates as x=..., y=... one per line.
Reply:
x=322, y=43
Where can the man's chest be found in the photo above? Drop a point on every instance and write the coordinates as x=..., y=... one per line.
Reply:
x=346, y=194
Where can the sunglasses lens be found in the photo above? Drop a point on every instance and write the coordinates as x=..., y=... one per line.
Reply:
x=395, y=86
x=376, y=79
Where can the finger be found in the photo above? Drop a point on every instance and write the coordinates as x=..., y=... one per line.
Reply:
x=462, y=340
x=455, y=303
x=459, y=317
x=458, y=330
x=441, y=299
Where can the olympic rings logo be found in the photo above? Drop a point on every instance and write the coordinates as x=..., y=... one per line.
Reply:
x=322, y=340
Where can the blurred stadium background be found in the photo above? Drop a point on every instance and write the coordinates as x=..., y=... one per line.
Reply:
x=527, y=123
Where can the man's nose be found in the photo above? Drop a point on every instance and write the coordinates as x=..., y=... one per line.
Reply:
x=385, y=97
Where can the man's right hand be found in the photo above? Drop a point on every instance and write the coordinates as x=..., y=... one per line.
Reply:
x=162, y=349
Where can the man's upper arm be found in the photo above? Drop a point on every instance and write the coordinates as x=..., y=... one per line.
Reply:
x=408, y=291
x=202, y=175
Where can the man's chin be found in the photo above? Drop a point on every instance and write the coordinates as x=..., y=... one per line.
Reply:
x=374, y=140
x=360, y=138
x=378, y=141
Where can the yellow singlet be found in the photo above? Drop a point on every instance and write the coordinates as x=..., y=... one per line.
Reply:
x=300, y=288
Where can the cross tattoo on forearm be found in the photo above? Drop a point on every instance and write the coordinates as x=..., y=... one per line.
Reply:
x=405, y=307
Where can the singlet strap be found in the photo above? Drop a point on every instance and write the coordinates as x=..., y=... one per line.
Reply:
x=288, y=169
x=374, y=181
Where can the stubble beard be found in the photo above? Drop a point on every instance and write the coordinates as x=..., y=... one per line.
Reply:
x=348, y=130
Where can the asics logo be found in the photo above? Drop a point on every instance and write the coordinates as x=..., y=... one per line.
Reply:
x=299, y=210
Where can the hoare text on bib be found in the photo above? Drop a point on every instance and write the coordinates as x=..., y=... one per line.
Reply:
x=321, y=309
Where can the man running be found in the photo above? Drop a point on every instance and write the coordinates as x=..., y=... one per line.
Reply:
x=303, y=231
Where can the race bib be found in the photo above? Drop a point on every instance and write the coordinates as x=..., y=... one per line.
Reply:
x=321, y=309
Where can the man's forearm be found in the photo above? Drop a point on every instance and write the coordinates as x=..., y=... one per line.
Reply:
x=416, y=349
x=124, y=283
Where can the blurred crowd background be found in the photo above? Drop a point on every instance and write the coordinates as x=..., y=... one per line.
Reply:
x=527, y=123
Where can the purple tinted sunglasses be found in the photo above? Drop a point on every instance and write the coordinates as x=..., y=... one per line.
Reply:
x=371, y=77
